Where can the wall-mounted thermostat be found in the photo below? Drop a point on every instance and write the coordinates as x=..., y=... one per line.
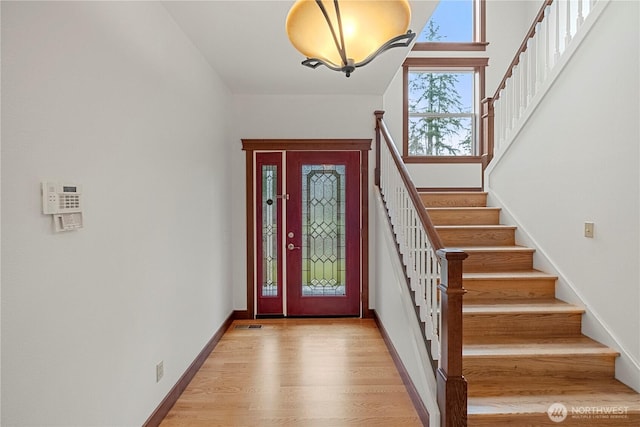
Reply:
x=64, y=202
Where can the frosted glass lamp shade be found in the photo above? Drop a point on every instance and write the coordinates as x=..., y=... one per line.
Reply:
x=348, y=33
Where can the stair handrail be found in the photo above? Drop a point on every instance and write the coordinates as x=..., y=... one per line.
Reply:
x=554, y=27
x=433, y=273
x=523, y=47
x=430, y=229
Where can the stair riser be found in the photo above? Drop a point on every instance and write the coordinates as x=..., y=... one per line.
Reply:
x=542, y=367
x=464, y=217
x=522, y=324
x=454, y=199
x=486, y=290
x=477, y=237
x=498, y=261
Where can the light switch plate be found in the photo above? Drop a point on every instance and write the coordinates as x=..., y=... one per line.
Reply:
x=588, y=229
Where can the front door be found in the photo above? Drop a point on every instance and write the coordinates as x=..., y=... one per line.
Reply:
x=308, y=253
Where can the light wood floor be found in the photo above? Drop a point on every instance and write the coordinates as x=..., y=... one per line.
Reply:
x=293, y=372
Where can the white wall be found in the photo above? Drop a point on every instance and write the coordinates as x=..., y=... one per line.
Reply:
x=290, y=117
x=577, y=160
x=395, y=309
x=112, y=96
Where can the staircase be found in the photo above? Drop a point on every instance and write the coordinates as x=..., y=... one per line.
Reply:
x=523, y=348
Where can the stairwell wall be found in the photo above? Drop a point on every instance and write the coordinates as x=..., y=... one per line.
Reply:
x=577, y=159
x=394, y=306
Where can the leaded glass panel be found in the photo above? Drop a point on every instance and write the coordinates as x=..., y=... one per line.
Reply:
x=323, y=230
x=269, y=231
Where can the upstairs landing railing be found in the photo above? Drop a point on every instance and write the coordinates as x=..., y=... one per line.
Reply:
x=549, y=38
x=434, y=274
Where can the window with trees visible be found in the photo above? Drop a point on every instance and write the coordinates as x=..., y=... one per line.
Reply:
x=441, y=113
x=442, y=98
x=442, y=95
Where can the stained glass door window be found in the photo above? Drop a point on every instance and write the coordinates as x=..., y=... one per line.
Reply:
x=269, y=226
x=269, y=279
x=323, y=230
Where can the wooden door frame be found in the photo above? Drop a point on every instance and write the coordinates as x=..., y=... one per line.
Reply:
x=250, y=146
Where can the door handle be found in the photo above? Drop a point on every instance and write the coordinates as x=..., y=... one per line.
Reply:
x=291, y=246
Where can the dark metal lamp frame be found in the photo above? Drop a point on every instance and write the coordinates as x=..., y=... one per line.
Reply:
x=348, y=65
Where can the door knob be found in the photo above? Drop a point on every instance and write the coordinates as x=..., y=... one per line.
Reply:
x=291, y=246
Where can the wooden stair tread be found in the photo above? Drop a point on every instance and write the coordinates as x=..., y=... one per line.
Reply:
x=516, y=347
x=515, y=248
x=521, y=306
x=551, y=385
x=452, y=193
x=453, y=199
x=508, y=275
x=525, y=403
x=536, y=398
x=476, y=226
x=540, y=404
x=462, y=208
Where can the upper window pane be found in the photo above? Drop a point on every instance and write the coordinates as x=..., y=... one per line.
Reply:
x=441, y=113
x=440, y=91
x=452, y=21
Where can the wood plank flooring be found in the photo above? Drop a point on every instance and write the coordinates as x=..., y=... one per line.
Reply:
x=297, y=372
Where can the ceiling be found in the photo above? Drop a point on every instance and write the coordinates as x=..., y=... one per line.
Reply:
x=246, y=43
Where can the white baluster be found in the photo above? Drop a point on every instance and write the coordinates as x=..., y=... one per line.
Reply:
x=567, y=36
x=413, y=222
x=428, y=327
x=546, y=45
x=438, y=313
x=556, y=54
x=506, y=92
x=543, y=48
x=498, y=122
x=534, y=47
x=524, y=77
x=580, y=18
x=515, y=88
x=419, y=266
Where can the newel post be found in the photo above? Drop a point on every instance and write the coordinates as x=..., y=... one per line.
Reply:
x=379, y=114
x=487, y=131
x=452, y=386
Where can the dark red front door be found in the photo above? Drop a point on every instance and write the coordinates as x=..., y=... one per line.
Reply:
x=309, y=258
x=323, y=233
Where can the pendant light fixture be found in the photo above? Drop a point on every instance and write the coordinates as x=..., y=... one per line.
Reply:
x=344, y=35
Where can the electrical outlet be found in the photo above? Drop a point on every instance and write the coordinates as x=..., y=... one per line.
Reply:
x=588, y=229
x=159, y=371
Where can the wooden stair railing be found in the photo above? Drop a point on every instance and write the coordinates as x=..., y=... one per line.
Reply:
x=557, y=23
x=434, y=274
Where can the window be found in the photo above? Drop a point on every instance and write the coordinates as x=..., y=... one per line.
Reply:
x=441, y=113
x=442, y=99
x=454, y=25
